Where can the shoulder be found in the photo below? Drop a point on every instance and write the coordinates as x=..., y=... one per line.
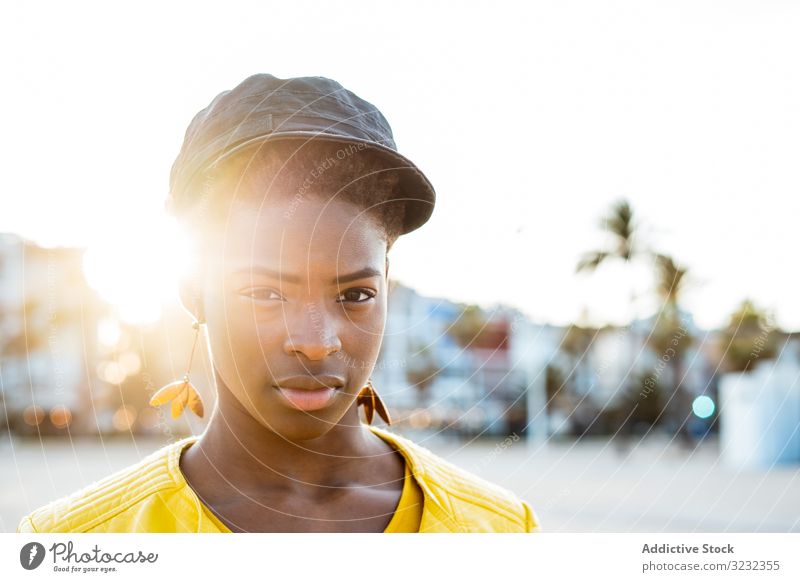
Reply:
x=473, y=503
x=114, y=503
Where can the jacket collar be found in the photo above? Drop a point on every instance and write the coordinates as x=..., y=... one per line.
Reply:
x=437, y=510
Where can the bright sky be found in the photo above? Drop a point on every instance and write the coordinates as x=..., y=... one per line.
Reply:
x=529, y=118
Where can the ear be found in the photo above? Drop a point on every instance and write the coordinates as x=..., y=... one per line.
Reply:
x=387, y=266
x=189, y=289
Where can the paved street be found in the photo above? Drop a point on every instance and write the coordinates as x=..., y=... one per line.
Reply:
x=573, y=487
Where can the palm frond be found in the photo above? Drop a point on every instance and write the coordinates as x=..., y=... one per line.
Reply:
x=671, y=277
x=591, y=260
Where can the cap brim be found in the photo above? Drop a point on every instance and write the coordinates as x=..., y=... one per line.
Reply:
x=419, y=194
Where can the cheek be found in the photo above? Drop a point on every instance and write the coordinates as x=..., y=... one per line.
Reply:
x=363, y=336
x=236, y=349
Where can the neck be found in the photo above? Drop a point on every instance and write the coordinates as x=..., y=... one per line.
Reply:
x=236, y=448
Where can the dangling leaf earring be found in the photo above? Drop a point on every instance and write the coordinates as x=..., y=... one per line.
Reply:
x=369, y=398
x=181, y=392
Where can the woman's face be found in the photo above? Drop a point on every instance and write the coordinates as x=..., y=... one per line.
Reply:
x=296, y=289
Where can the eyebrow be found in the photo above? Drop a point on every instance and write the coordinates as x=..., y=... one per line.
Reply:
x=364, y=273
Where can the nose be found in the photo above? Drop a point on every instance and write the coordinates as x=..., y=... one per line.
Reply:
x=311, y=332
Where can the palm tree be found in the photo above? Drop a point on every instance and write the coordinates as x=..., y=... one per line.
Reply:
x=621, y=225
x=749, y=336
x=670, y=281
x=669, y=337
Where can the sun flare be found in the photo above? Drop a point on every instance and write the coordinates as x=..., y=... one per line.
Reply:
x=137, y=273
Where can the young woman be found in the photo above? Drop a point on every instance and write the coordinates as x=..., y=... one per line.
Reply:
x=295, y=193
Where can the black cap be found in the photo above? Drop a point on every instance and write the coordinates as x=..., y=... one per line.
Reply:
x=265, y=108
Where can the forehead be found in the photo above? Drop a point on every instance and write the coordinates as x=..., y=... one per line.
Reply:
x=301, y=235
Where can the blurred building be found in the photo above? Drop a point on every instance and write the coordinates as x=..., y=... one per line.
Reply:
x=760, y=412
x=47, y=336
x=463, y=369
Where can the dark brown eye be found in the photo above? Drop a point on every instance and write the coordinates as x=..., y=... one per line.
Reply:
x=354, y=295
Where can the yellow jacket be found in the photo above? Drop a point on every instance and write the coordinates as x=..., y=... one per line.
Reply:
x=153, y=496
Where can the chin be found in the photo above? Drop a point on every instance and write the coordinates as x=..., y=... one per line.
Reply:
x=302, y=427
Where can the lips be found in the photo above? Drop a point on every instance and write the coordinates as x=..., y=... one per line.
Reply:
x=309, y=392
